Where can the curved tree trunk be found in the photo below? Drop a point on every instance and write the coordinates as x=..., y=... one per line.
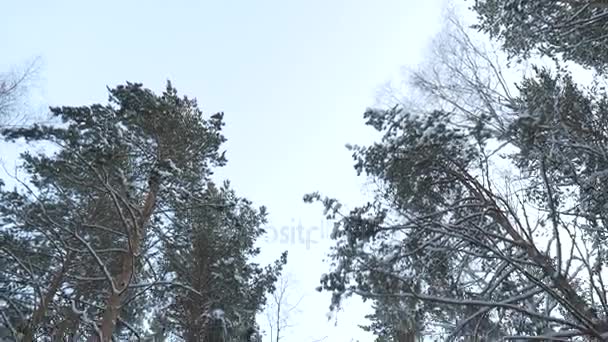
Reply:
x=123, y=280
x=41, y=310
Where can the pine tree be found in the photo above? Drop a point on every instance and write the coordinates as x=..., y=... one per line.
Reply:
x=493, y=235
x=81, y=234
x=208, y=247
x=572, y=29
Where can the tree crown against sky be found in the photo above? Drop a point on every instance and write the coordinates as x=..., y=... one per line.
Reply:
x=15, y=86
x=574, y=30
x=489, y=215
x=449, y=239
x=123, y=220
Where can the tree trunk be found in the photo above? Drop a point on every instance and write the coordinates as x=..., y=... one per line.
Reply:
x=68, y=328
x=122, y=281
x=40, y=311
x=406, y=336
x=198, y=327
x=571, y=299
x=406, y=331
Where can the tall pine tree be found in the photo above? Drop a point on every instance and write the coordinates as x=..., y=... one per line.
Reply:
x=82, y=235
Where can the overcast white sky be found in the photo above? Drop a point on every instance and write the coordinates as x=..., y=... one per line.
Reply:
x=293, y=78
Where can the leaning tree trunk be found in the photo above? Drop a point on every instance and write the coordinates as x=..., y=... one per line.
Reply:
x=41, y=310
x=122, y=281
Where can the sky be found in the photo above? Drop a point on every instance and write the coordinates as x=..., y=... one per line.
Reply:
x=292, y=77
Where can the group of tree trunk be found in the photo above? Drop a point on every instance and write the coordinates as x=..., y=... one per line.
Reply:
x=112, y=229
x=490, y=220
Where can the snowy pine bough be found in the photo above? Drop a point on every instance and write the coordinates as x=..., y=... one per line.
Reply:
x=120, y=233
x=490, y=219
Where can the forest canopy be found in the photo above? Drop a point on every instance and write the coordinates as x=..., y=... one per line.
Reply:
x=489, y=218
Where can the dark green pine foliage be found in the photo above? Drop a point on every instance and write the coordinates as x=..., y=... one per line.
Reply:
x=450, y=248
x=208, y=247
x=377, y=257
x=80, y=236
x=574, y=30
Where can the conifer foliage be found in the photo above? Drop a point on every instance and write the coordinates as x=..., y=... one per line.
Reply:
x=571, y=29
x=121, y=212
x=489, y=218
x=446, y=244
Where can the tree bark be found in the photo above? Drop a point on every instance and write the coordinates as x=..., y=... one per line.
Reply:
x=578, y=307
x=122, y=281
x=41, y=310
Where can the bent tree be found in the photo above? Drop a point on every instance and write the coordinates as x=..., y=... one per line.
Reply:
x=482, y=228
